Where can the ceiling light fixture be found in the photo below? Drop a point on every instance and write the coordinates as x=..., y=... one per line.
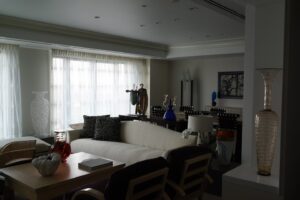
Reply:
x=144, y=6
x=97, y=17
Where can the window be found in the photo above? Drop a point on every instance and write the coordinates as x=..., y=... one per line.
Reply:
x=10, y=95
x=90, y=84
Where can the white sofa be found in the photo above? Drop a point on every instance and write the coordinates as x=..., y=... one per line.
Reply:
x=139, y=141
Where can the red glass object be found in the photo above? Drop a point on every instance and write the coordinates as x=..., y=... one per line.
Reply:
x=61, y=146
x=225, y=134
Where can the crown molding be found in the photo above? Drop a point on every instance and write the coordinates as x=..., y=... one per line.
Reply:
x=215, y=47
x=47, y=28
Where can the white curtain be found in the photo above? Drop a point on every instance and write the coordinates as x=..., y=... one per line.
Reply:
x=91, y=84
x=10, y=95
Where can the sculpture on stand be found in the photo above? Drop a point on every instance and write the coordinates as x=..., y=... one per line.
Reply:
x=139, y=98
x=142, y=104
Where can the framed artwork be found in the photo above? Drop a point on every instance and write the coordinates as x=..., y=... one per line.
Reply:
x=231, y=85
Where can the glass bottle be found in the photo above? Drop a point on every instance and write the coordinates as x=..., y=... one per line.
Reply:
x=61, y=146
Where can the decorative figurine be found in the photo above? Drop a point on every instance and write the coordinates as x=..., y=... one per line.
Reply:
x=140, y=99
x=142, y=104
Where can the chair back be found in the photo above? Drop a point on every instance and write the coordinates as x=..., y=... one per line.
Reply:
x=138, y=189
x=142, y=180
x=188, y=167
x=193, y=173
x=17, y=152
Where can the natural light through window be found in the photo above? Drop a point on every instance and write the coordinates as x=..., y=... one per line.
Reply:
x=89, y=84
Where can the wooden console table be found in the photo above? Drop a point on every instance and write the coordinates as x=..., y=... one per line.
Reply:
x=28, y=183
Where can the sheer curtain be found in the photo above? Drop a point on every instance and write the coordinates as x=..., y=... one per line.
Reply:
x=10, y=95
x=91, y=84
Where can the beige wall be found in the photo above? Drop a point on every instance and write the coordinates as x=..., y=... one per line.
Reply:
x=204, y=71
x=34, y=72
x=159, y=81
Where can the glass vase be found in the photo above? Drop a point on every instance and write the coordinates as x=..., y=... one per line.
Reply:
x=169, y=115
x=266, y=126
x=61, y=146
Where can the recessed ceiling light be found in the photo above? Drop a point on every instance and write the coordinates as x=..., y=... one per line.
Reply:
x=158, y=22
x=142, y=25
x=176, y=19
x=144, y=6
x=97, y=17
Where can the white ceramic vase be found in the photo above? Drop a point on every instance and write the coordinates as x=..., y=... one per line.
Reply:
x=39, y=109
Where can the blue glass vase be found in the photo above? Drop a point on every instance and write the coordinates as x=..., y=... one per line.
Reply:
x=213, y=98
x=169, y=114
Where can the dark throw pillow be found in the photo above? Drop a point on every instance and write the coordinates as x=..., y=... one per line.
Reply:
x=89, y=123
x=107, y=129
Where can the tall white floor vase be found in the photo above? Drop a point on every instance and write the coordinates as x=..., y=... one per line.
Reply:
x=39, y=109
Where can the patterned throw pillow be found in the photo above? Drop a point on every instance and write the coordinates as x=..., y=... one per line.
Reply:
x=89, y=123
x=107, y=129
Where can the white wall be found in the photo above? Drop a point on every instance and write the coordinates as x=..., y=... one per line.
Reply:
x=34, y=72
x=204, y=71
x=264, y=49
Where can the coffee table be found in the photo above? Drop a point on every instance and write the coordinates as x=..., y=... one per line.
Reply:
x=28, y=183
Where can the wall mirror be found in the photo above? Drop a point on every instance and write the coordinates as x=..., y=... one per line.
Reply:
x=186, y=93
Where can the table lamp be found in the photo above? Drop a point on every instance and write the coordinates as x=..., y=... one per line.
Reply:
x=201, y=124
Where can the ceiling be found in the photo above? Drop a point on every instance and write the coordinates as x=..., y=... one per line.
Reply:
x=170, y=22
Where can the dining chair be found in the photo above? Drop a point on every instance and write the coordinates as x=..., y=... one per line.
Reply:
x=188, y=172
x=140, y=181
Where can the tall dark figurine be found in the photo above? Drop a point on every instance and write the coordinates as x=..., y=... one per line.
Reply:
x=142, y=104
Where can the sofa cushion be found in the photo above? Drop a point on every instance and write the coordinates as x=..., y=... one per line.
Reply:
x=107, y=129
x=89, y=123
x=123, y=152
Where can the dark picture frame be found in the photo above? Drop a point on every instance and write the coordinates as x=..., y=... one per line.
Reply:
x=231, y=85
